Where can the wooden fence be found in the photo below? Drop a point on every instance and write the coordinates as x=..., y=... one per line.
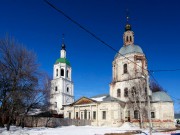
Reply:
x=51, y=122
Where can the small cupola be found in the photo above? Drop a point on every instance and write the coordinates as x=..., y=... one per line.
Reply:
x=128, y=27
x=63, y=46
x=128, y=36
x=63, y=49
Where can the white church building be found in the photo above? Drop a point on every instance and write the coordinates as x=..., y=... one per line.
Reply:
x=128, y=95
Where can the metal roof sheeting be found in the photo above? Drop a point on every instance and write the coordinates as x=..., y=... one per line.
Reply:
x=161, y=96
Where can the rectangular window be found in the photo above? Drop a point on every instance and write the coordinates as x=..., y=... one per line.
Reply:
x=103, y=115
x=89, y=116
x=69, y=115
x=94, y=115
x=67, y=74
x=56, y=88
x=81, y=115
x=76, y=115
x=55, y=104
x=152, y=114
x=136, y=114
x=85, y=114
x=56, y=72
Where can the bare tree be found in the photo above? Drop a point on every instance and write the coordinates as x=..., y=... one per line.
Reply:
x=138, y=100
x=156, y=87
x=19, y=80
x=39, y=99
x=46, y=87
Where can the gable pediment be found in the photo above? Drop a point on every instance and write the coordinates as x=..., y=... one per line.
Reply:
x=84, y=100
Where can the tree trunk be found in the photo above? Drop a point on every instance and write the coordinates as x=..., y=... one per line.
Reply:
x=9, y=124
x=22, y=122
x=1, y=124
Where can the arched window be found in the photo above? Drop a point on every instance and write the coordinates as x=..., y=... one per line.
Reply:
x=62, y=72
x=126, y=92
x=56, y=72
x=136, y=114
x=130, y=38
x=67, y=73
x=67, y=89
x=126, y=38
x=125, y=68
x=133, y=91
x=118, y=93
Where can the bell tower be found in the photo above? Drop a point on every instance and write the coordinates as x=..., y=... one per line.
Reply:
x=62, y=87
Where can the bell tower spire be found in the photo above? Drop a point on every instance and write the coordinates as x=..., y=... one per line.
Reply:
x=63, y=48
x=128, y=36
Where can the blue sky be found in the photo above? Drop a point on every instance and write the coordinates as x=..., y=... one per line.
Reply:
x=156, y=25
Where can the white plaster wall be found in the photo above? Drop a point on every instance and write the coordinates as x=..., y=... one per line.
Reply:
x=164, y=110
x=61, y=96
x=126, y=84
x=133, y=69
x=114, y=114
x=60, y=66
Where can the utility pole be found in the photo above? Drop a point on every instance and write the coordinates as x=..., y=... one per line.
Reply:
x=146, y=77
x=149, y=106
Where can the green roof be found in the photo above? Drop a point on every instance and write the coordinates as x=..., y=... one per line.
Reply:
x=63, y=60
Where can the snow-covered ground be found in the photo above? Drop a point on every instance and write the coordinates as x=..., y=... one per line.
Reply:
x=75, y=130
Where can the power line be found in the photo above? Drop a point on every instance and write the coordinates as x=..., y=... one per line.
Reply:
x=88, y=31
x=175, y=98
x=103, y=42
x=158, y=83
x=164, y=70
x=99, y=39
x=150, y=73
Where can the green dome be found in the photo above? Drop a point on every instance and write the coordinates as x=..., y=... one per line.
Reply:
x=63, y=60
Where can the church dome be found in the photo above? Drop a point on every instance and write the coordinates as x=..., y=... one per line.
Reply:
x=161, y=96
x=129, y=49
x=63, y=60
